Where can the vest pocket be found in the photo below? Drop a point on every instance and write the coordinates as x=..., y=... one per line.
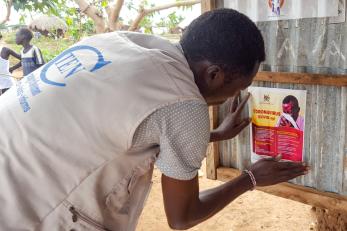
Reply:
x=84, y=220
x=119, y=200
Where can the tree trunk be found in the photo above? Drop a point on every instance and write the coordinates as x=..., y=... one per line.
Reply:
x=8, y=11
x=143, y=12
x=92, y=12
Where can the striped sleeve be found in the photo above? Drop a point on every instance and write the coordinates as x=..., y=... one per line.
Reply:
x=38, y=56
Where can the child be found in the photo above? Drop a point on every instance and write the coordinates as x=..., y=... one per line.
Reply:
x=31, y=57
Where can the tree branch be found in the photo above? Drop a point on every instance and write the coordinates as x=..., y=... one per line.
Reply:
x=8, y=11
x=170, y=5
x=92, y=12
x=143, y=12
x=114, y=14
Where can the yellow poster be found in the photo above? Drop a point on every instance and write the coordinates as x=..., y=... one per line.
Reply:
x=278, y=122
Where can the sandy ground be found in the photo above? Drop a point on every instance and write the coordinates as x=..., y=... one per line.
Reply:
x=253, y=211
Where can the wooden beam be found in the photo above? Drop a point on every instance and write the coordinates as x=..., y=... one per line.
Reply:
x=294, y=192
x=302, y=78
x=212, y=156
x=207, y=5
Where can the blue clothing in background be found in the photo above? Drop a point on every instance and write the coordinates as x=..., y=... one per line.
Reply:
x=31, y=60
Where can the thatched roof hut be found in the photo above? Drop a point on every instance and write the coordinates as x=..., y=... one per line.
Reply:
x=45, y=24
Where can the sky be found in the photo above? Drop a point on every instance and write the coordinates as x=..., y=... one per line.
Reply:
x=188, y=14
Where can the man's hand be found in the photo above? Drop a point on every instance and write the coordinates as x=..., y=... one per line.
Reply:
x=269, y=171
x=284, y=122
x=232, y=123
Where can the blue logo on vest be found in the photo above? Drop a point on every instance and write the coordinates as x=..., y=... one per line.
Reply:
x=68, y=64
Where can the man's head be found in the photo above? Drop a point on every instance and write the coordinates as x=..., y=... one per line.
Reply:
x=290, y=105
x=224, y=49
x=23, y=35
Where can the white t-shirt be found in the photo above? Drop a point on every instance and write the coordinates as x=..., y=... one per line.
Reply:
x=5, y=75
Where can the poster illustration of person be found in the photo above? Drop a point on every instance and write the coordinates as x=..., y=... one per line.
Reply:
x=278, y=123
x=269, y=10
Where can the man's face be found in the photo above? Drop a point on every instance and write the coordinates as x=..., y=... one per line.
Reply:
x=287, y=107
x=291, y=109
x=232, y=85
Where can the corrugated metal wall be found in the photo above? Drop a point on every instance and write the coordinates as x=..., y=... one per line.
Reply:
x=313, y=46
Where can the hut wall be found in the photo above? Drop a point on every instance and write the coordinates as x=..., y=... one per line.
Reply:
x=313, y=46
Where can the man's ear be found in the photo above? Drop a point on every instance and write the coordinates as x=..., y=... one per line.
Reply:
x=214, y=77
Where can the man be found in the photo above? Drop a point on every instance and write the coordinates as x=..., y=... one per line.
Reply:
x=290, y=116
x=87, y=128
x=31, y=57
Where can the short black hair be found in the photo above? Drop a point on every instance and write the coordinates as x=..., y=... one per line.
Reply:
x=291, y=98
x=225, y=37
x=28, y=35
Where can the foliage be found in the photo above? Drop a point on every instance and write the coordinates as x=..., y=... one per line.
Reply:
x=3, y=27
x=171, y=22
x=147, y=24
x=50, y=7
x=78, y=24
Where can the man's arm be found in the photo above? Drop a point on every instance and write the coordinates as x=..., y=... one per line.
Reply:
x=183, y=139
x=5, y=54
x=186, y=207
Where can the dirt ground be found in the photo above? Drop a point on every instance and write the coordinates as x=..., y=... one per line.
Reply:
x=253, y=211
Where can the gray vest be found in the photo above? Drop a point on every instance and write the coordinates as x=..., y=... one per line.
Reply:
x=66, y=156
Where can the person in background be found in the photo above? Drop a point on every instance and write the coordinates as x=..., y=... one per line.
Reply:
x=31, y=56
x=5, y=75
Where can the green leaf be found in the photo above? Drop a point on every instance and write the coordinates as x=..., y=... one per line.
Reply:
x=104, y=3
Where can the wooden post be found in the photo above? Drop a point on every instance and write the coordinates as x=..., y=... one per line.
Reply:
x=207, y=5
x=212, y=157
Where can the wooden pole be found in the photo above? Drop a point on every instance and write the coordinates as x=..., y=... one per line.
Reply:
x=212, y=156
x=207, y=5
